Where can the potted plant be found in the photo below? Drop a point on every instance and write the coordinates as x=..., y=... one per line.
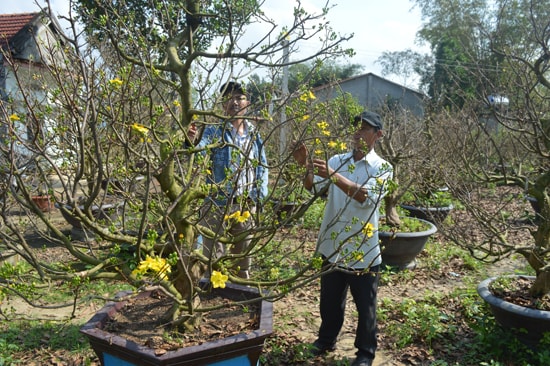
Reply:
x=433, y=205
x=130, y=115
x=241, y=348
x=526, y=320
x=401, y=246
x=34, y=182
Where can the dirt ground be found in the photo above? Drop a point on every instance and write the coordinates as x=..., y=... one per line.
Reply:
x=302, y=326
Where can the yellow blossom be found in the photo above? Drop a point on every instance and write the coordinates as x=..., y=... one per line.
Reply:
x=237, y=216
x=218, y=279
x=116, y=82
x=322, y=125
x=343, y=146
x=305, y=117
x=358, y=256
x=140, y=128
x=380, y=181
x=176, y=103
x=368, y=230
x=232, y=216
x=318, y=152
x=325, y=132
x=332, y=144
x=317, y=141
x=307, y=96
x=14, y=117
x=274, y=273
x=245, y=216
x=156, y=265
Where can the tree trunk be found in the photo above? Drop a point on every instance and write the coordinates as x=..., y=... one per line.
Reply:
x=392, y=217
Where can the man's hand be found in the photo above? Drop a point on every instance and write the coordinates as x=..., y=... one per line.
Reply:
x=320, y=168
x=192, y=132
x=300, y=153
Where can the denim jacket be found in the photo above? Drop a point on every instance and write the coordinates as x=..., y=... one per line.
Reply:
x=221, y=158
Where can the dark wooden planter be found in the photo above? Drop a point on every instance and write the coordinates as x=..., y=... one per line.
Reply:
x=399, y=249
x=240, y=350
x=435, y=215
x=103, y=212
x=528, y=325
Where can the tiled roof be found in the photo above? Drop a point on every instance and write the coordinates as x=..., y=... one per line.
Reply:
x=10, y=24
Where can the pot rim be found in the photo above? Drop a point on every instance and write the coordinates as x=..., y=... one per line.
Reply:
x=432, y=230
x=428, y=208
x=486, y=294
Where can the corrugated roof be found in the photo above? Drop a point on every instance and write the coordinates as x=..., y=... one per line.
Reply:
x=10, y=24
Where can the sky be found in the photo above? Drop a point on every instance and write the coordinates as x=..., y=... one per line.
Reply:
x=377, y=25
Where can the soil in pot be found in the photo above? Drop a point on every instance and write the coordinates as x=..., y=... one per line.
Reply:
x=140, y=321
x=516, y=291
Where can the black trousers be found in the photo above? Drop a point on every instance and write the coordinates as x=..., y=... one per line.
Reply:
x=364, y=288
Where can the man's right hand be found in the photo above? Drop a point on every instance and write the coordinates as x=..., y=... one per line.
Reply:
x=192, y=132
x=299, y=152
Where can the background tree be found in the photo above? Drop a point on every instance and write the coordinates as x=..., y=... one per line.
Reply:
x=497, y=131
x=409, y=65
x=319, y=73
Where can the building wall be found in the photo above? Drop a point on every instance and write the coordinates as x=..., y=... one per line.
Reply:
x=30, y=53
x=372, y=92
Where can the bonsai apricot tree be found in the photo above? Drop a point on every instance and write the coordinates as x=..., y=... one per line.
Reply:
x=108, y=133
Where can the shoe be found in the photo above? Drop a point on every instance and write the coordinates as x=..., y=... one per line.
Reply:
x=317, y=348
x=362, y=360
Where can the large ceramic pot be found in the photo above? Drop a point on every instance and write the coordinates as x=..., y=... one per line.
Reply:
x=435, y=215
x=399, y=249
x=240, y=350
x=527, y=324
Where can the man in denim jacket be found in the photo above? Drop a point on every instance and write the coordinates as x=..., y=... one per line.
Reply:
x=239, y=175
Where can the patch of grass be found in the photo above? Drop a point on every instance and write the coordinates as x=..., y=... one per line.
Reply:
x=390, y=275
x=314, y=215
x=21, y=337
x=436, y=254
x=420, y=321
x=456, y=328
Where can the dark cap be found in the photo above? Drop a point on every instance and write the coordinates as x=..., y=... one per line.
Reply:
x=232, y=87
x=371, y=118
